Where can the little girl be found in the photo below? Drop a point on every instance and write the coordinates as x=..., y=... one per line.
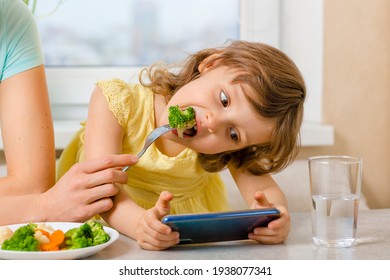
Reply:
x=248, y=100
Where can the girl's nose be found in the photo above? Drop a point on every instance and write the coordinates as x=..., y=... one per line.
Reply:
x=212, y=122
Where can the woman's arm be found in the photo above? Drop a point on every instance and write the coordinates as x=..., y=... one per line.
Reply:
x=27, y=131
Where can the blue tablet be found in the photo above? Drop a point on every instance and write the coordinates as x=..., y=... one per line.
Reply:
x=219, y=226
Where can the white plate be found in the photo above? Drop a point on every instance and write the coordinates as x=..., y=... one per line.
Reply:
x=58, y=255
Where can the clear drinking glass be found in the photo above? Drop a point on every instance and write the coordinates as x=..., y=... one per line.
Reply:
x=335, y=186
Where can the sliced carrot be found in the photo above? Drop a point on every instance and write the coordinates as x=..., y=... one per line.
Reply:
x=56, y=239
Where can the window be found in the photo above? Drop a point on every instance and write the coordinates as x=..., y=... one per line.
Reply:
x=132, y=32
x=86, y=40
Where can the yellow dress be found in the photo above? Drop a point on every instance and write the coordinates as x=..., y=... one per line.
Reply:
x=194, y=189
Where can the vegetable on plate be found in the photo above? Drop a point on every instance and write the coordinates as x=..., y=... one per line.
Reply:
x=32, y=237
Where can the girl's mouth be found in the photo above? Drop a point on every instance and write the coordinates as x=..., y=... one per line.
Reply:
x=191, y=132
x=187, y=133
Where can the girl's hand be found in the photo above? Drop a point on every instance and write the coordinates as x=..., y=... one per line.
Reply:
x=277, y=230
x=151, y=233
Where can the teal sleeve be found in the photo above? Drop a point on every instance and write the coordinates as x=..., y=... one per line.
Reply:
x=20, y=45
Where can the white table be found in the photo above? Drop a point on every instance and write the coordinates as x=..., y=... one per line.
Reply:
x=373, y=243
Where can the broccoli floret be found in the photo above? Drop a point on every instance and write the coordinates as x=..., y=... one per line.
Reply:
x=22, y=240
x=99, y=235
x=181, y=120
x=88, y=234
x=80, y=237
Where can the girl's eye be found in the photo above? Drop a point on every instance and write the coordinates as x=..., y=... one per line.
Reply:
x=224, y=99
x=234, y=135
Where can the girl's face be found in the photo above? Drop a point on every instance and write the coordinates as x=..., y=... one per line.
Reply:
x=225, y=120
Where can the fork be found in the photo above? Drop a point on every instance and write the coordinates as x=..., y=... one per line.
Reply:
x=150, y=139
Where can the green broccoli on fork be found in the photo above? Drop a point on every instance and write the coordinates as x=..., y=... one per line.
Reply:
x=181, y=119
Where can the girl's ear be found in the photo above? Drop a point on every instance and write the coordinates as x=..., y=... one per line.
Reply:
x=208, y=62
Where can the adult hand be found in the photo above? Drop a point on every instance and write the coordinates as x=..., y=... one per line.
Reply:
x=277, y=230
x=151, y=233
x=86, y=189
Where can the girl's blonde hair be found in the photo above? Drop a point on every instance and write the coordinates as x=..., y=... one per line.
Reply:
x=278, y=93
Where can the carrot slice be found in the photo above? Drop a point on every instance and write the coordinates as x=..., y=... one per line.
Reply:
x=56, y=239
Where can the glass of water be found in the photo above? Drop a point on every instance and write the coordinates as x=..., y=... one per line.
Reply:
x=335, y=186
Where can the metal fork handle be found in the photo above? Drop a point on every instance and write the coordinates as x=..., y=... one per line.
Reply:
x=156, y=133
x=124, y=169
